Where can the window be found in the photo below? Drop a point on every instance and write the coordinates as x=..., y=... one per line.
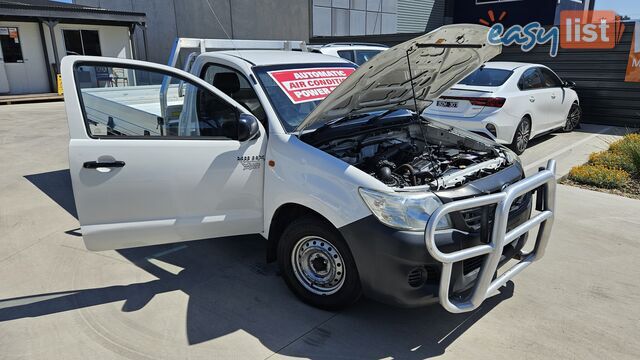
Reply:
x=82, y=42
x=487, y=77
x=362, y=56
x=237, y=87
x=134, y=107
x=551, y=80
x=347, y=54
x=531, y=79
x=10, y=42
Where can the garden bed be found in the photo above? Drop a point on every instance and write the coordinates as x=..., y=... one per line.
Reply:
x=615, y=171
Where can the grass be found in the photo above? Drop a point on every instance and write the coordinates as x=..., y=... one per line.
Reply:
x=616, y=168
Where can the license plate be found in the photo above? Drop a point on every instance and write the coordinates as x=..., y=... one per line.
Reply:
x=447, y=104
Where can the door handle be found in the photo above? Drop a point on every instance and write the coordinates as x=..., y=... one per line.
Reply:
x=553, y=96
x=108, y=164
x=532, y=99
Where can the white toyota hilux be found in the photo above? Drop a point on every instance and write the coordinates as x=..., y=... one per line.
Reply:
x=355, y=193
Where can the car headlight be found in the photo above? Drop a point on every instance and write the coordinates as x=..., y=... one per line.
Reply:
x=404, y=211
x=511, y=157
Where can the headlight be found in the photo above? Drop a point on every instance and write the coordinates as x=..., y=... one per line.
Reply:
x=511, y=157
x=404, y=211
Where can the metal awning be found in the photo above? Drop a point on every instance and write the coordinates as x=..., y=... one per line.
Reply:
x=72, y=13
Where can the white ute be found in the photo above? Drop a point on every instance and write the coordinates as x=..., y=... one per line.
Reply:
x=355, y=192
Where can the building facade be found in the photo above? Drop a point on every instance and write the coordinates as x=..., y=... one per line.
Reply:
x=515, y=12
x=36, y=34
x=308, y=20
x=218, y=19
x=375, y=17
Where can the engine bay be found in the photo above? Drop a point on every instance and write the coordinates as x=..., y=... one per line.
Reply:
x=408, y=156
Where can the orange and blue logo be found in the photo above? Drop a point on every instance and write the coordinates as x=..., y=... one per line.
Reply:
x=578, y=30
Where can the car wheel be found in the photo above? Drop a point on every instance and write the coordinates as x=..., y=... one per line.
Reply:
x=317, y=265
x=573, y=119
x=521, y=137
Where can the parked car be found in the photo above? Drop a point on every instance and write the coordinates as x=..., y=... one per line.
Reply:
x=358, y=53
x=510, y=102
x=355, y=193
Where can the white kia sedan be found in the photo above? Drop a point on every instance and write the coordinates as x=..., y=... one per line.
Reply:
x=510, y=103
x=358, y=53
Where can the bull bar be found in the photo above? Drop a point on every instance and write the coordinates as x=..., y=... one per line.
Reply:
x=544, y=182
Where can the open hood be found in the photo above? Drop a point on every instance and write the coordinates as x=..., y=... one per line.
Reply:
x=436, y=61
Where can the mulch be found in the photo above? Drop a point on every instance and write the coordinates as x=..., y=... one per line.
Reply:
x=631, y=189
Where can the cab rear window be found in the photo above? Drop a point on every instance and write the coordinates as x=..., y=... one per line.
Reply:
x=487, y=77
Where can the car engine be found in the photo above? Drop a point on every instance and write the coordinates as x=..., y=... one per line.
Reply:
x=401, y=158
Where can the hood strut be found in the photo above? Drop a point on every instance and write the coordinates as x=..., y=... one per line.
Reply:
x=416, y=116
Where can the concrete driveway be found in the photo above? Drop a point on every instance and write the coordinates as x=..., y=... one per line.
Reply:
x=218, y=299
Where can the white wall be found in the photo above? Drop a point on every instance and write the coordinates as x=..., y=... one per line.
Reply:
x=29, y=76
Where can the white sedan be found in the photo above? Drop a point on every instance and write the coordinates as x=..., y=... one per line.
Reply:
x=510, y=103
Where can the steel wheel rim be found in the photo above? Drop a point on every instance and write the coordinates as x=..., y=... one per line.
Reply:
x=318, y=265
x=574, y=117
x=522, y=138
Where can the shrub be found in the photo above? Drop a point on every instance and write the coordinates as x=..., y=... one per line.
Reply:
x=628, y=148
x=599, y=176
x=612, y=160
x=632, y=152
x=629, y=139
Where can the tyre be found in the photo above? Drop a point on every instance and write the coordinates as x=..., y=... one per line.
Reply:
x=317, y=265
x=522, y=136
x=573, y=119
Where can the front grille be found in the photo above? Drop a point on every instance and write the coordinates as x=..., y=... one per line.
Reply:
x=473, y=217
x=472, y=264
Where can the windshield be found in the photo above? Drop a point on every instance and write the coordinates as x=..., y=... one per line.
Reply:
x=487, y=77
x=294, y=90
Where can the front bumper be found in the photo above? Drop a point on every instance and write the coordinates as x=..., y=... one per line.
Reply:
x=410, y=269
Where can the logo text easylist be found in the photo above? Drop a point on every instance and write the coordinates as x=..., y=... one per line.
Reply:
x=577, y=30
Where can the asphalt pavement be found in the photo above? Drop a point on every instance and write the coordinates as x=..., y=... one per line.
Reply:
x=218, y=299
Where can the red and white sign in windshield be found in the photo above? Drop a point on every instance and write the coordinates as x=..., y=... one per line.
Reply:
x=303, y=85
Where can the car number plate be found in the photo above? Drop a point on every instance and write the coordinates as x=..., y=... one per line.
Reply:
x=447, y=104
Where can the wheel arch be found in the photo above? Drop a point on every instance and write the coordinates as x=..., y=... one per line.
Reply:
x=284, y=215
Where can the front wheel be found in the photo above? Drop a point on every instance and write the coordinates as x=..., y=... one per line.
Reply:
x=521, y=137
x=317, y=265
x=573, y=119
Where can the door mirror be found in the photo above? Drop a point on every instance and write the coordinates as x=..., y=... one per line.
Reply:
x=248, y=128
x=569, y=84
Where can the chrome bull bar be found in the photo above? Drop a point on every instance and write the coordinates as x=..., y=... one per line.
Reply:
x=484, y=287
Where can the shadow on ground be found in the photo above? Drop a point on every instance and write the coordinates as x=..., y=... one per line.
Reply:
x=230, y=288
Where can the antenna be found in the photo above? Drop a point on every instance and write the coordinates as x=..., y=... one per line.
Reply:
x=222, y=26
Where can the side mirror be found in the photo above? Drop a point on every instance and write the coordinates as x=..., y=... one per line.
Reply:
x=248, y=128
x=569, y=84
